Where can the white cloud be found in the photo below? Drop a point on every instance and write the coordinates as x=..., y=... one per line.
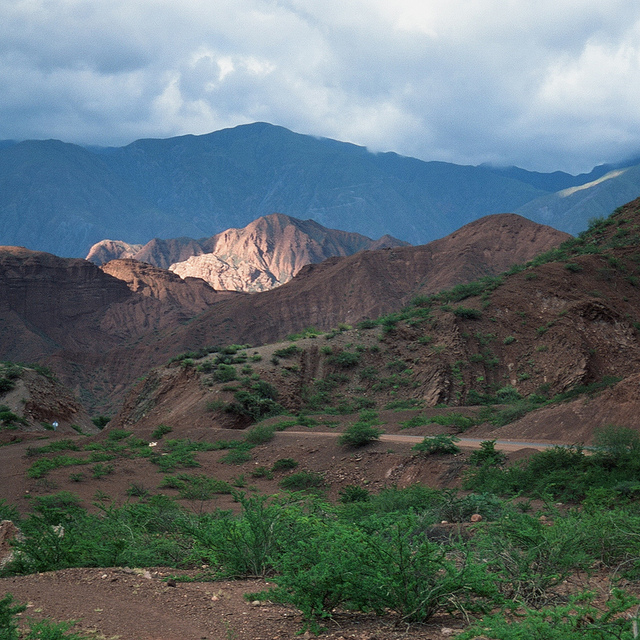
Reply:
x=545, y=84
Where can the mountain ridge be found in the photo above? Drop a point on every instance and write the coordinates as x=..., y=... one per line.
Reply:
x=140, y=316
x=266, y=253
x=62, y=198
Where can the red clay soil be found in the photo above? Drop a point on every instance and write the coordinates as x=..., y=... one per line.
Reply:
x=128, y=604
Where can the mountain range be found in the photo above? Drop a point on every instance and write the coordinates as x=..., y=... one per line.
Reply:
x=101, y=328
x=266, y=253
x=63, y=198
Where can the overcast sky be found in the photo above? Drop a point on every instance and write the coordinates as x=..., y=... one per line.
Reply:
x=542, y=84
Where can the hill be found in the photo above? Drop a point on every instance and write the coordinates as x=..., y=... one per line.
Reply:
x=100, y=329
x=177, y=487
x=62, y=198
x=538, y=339
x=264, y=254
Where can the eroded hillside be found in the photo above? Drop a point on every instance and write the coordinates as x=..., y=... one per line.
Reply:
x=101, y=329
x=564, y=324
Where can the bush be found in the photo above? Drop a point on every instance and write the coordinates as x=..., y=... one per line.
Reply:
x=576, y=620
x=389, y=568
x=467, y=313
x=362, y=432
x=101, y=421
x=440, y=444
x=416, y=421
x=9, y=419
x=354, y=493
x=8, y=619
x=258, y=403
x=236, y=456
x=284, y=464
x=303, y=480
x=225, y=373
x=160, y=431
x=487, y=455
x=616, y=444
x=345, y=359
x=260, y=434
x=287, y=352
x=529, y=559
x=41, y=467
x=196, y=487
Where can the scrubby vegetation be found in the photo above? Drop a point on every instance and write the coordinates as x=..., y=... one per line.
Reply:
x=369, y=552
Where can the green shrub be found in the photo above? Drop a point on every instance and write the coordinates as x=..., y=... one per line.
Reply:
x=354, y=493
x=435, y=445
x=616, y=444
x=360, y=433
x=467, y=313
x=368, y=373
x=284, y=464
x=287, y=352
x=345, y=359
x=530, y=559
x=8, y=618
x=101, y=421
x=160, y=431
x=578, y=619
x=137, y=490
x=487, y=455
x=389, y=568
x=100, y=470
x=225, y=373
x=196, y=487
x=9, y=419
x=41, y=467
x=236, y=456
x=58, y=445
x=415, y=421
x=116, y=435
x=180, y=454
x=262, y=472
x=412, y=403
x=302, y=481
x=260, y=434
x=259, y=402
x=216, y=405
x=6, y=384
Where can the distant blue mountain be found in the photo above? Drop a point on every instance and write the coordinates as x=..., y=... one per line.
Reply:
x=63, y=198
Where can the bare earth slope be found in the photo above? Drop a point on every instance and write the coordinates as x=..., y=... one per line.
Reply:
x=101, y=332
x=544, y=330
x=372, y=283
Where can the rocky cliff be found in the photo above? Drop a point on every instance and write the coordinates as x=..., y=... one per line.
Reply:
x=264, y=254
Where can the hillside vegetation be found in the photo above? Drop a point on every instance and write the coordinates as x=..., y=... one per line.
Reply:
x=289, y=465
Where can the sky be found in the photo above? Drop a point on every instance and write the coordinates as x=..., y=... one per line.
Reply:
x=542, y=84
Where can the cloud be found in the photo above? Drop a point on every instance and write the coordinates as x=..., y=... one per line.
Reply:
x=543, y=84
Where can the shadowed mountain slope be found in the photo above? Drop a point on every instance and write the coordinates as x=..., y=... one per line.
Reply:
x=62, y=198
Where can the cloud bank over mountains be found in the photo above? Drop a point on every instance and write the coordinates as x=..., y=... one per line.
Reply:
x=544, y=85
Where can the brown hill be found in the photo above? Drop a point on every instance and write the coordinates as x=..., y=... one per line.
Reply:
x=262, y=255
x=567, y=323
x=192, y=294
x=101, y=332
x=32, y=401
x=369, y=284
